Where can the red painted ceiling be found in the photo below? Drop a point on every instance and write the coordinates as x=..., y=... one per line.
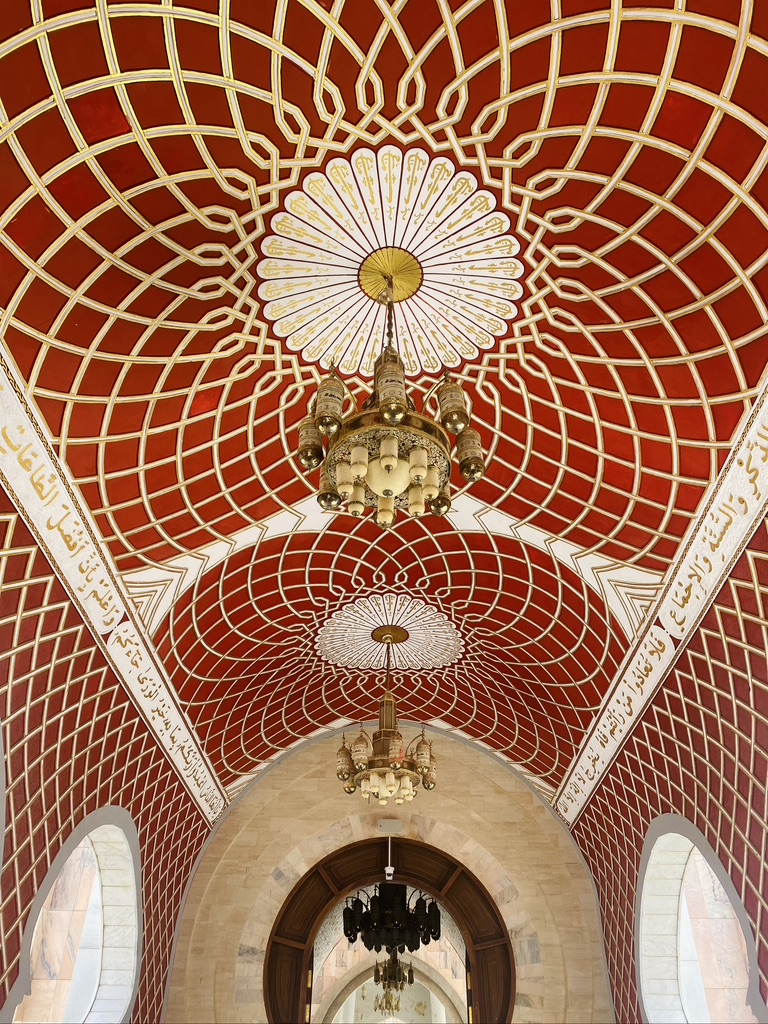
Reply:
x=146, y=149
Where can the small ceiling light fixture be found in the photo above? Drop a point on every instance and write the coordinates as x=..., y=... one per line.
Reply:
x=387, y=456
x=381, y=767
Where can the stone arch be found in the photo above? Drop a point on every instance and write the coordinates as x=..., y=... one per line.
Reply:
x=295, y=813
x=489, y=950
x=115, y=843
x=521, y=927
x=669, y=845
x=423, y=973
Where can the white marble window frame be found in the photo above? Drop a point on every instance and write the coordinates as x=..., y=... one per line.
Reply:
x=3, y=796
x=666, y=851
x=112, y=833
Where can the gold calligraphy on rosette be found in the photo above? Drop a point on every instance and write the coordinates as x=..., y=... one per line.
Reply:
x=390, y=163
x=416, y=163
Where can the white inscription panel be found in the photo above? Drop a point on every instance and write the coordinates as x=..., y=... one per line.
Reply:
x=36, y=482
x=30, y=470
x=736, y=507
x=646, y=670
x=739, y=502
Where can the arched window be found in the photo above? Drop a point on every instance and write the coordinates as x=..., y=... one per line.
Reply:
x=696, y=954
x=81, y=949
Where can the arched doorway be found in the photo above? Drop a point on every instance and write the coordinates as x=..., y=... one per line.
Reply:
x=489, y=951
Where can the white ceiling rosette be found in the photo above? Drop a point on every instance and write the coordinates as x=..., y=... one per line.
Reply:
x=345, y=639
x=423, y=210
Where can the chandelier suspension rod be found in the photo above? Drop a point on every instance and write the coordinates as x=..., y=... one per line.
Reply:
x=387, y=455
x=390, y=301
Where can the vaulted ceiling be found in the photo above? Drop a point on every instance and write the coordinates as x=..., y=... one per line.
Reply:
x=164, y=325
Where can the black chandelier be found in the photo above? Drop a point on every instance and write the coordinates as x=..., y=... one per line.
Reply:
x=387, y=921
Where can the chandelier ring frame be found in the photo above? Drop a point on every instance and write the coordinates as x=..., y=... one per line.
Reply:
x=414, y=431
x=368, y=420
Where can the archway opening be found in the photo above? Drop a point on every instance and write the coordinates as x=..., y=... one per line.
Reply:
x=342, y=970
x=289, y=950
x=695, y=954
x=81, y=951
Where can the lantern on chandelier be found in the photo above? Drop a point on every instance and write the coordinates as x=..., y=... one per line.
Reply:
x=381, y=766
x=387, y=456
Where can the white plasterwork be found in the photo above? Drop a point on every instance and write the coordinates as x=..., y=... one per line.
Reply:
x=345, y=639
x=625, y=589
x=49, y=502
x=735, y=507
x=371, y=201
x=610, y=579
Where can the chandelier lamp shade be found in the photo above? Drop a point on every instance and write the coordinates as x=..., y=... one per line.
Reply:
x=381, y=766
x=386, y=456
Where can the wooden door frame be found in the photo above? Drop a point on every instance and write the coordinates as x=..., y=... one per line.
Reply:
x=288, y=953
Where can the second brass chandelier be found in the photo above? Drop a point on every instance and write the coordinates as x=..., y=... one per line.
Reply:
x=387, y=456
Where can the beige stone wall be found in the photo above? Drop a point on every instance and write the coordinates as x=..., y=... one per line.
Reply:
x=437, y=965
x=481, y=813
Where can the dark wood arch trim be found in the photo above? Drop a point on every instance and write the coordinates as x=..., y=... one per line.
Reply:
x=290, y=945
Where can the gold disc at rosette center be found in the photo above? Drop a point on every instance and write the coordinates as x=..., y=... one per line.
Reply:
x=390, y=635
x=404, y=269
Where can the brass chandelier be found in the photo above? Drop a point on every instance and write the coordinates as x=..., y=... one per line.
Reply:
x=381, y=766
x=387, y=456
x=392, y=976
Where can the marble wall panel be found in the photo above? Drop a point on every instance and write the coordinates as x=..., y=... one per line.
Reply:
x=296, y=814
